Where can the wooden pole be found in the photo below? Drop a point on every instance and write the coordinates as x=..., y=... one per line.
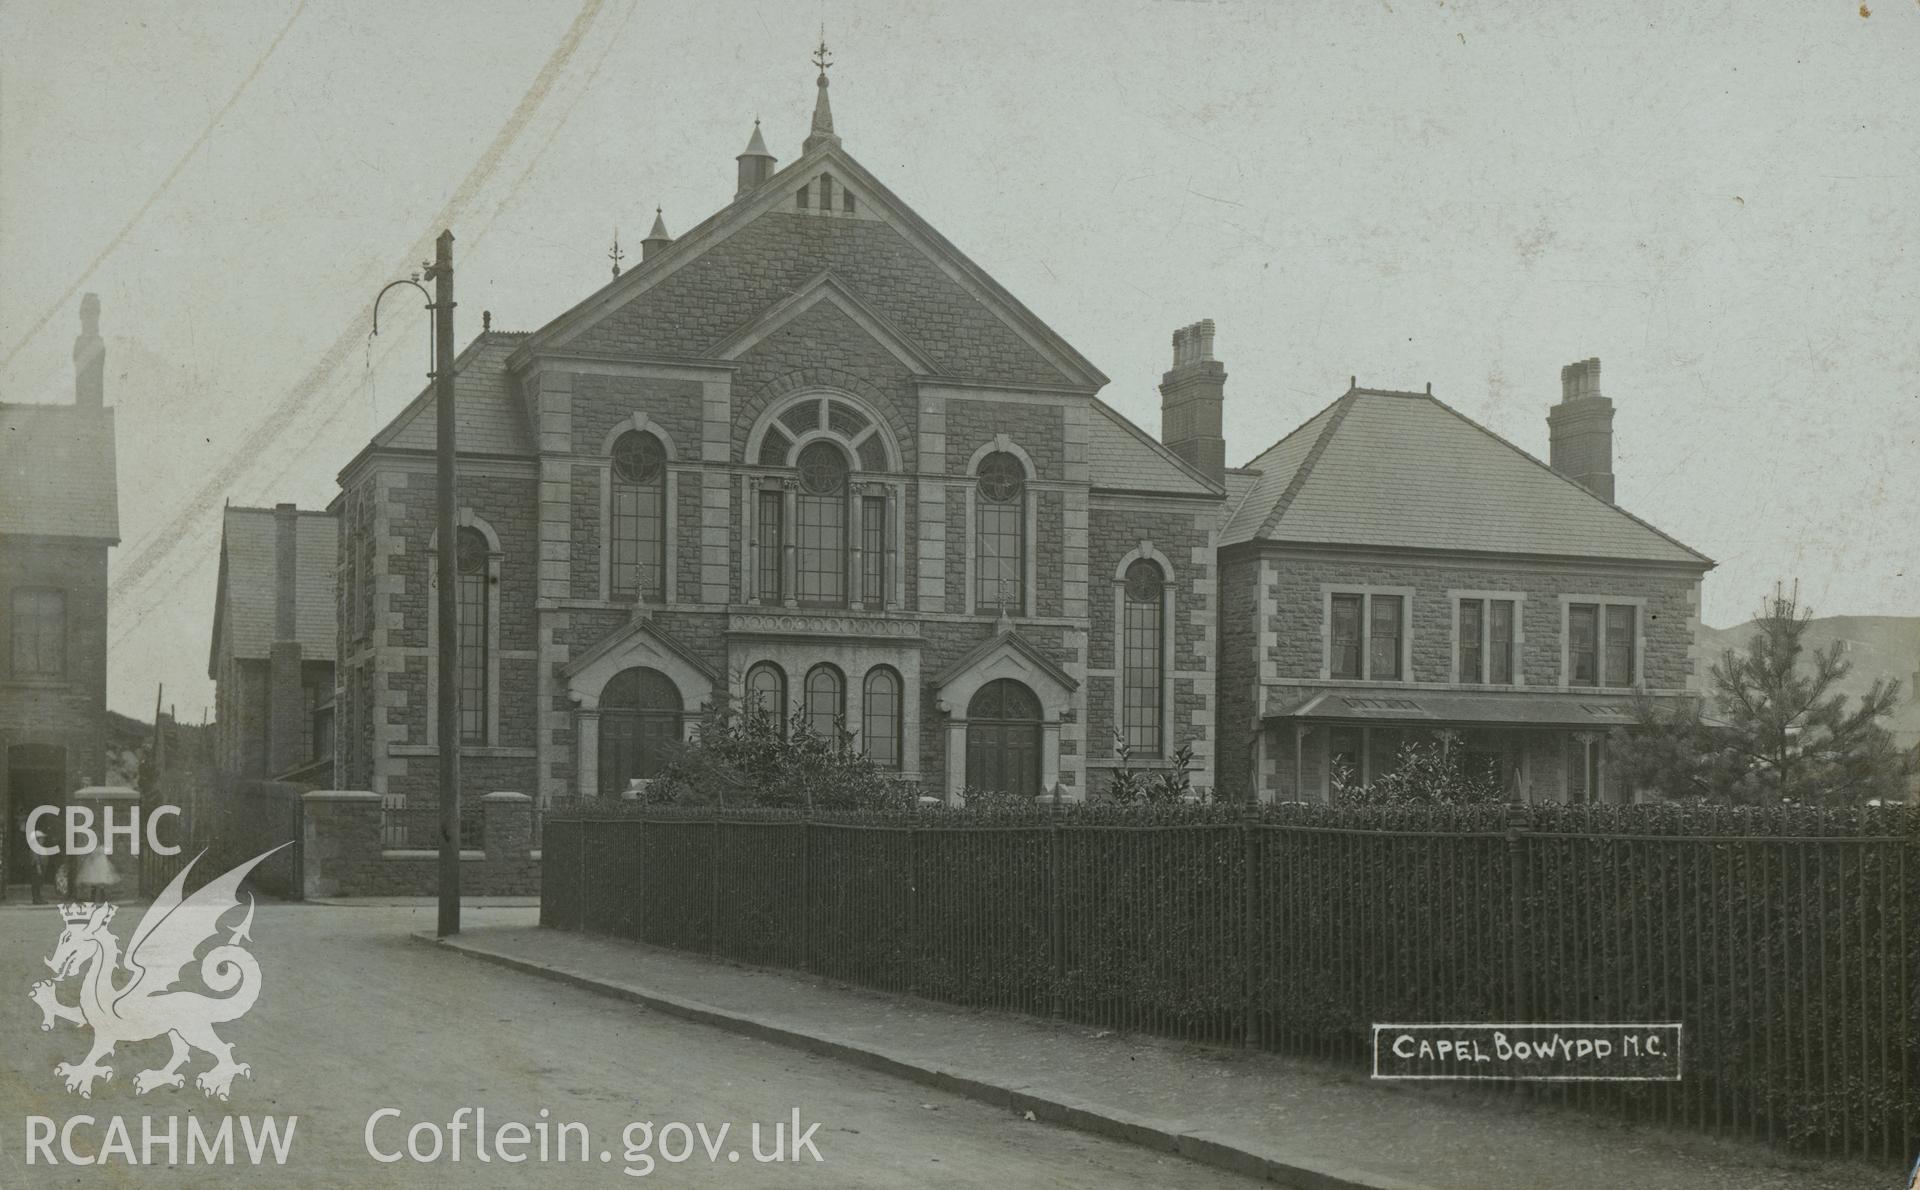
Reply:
x=449, y=607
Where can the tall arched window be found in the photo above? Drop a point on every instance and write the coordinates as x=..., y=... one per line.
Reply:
x=826, y=700
x=640, y=725
x=639, y=507
x=470, y=596
x=1000, y=532
x=880, y=717
x=1142, y=649
x=1003, y=738
x=821, y=516
x=767, y=694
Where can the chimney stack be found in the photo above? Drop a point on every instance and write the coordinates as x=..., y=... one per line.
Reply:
x=89, y=356
x=1192, y=394
x=1580, y=430
x=756, y=164
x=286, y=692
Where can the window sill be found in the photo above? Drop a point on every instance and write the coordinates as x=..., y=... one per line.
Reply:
x=40, y=683
x=476, y=751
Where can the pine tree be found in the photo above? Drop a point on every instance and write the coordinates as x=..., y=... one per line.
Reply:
x=1785, y=734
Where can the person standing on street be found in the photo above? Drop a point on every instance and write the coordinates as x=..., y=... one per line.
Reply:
x=41, y=862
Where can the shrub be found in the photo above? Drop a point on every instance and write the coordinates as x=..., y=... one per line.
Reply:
x=1434, y=771
x=742, y=757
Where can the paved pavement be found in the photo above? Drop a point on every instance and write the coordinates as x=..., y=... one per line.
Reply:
x=354, y=1016
x=1298, y=1113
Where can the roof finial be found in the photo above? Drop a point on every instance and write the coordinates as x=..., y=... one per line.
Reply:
x=614, y=254
x=823, y=57
x=657, y=238
x=822, y=132
x=756, y=164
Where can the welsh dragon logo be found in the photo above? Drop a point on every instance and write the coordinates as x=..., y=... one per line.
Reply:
x=146, y=1005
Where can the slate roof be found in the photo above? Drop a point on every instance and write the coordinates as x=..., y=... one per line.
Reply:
x=489, y=419
x=1121, y=455
x=1275, y=470
x=244, y=597
x=1403, y=470
x=57, y=472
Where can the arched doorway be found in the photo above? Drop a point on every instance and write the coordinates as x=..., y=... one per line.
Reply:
x=1003, y=738
x=640, y=724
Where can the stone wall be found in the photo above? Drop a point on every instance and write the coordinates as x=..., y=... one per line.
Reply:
x=1039, y=430
x=736, y=280
x=338, y=850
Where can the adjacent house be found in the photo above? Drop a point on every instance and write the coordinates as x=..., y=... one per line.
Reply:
x=1391, y=568
x=809, y=456
x=272, y=652
x=59, y=515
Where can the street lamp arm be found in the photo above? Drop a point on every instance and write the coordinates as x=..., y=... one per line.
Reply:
x=433, y=364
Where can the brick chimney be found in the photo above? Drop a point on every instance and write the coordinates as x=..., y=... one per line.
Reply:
x=89, y=356
x=756, y=164
x=1580, y=429
x=286, y=699
x=1191, y=395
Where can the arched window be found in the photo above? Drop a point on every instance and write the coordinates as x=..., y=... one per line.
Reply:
x=1142, y=650
x=880, y=717
x=826, y=700
x=470, y=596
x=821, y=516
x=640, y=726
x=767, y=695
x=639, y=529
x=1003, y=738
x=1000, y=533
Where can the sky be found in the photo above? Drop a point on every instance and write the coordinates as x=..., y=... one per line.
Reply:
x=1716, y=199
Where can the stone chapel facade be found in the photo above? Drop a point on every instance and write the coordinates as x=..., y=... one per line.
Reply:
x=807, y=453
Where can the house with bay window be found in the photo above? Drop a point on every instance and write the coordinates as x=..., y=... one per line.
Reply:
x=1391, y=569
x=806, y=452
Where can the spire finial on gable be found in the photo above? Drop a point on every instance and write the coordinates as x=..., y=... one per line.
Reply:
x=614, y=254
x=822, y=132
x=756, y=164
x=657, y=238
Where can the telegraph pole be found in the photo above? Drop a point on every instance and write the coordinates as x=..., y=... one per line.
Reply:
x=440, y=301
x=441, y=273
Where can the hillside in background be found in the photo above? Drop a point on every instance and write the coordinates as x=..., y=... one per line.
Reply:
x=1885, y=647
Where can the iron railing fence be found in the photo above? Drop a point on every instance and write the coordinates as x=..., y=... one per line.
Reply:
x=416, y=827
x=1786, y=943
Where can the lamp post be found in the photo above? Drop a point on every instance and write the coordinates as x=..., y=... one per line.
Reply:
x=441, y=302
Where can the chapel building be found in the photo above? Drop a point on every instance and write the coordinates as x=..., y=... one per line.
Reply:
x=806, y=455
